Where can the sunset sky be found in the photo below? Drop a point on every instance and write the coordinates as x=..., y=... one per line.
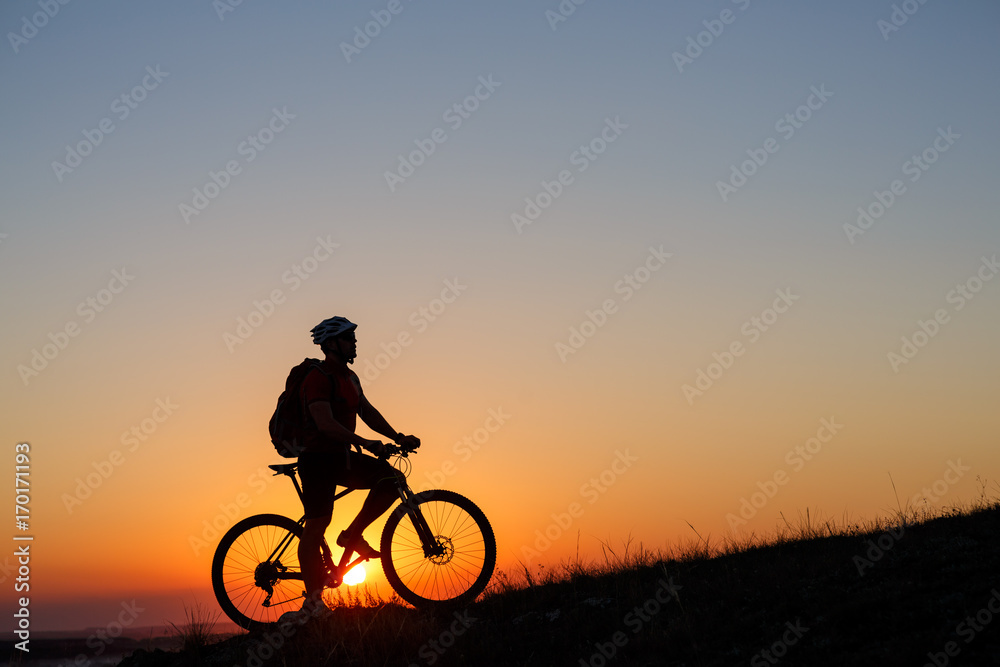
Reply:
x=672, y=254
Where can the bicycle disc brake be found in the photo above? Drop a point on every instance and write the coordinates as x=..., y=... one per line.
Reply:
x=442, y=551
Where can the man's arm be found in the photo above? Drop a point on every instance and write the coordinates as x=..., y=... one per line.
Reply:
x=374, y=419
x=322, y=414
x=376, y=422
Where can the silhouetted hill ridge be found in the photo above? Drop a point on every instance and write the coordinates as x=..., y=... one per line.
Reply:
x=900, y=595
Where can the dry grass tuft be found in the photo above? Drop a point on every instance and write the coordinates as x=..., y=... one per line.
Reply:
x=196, y=632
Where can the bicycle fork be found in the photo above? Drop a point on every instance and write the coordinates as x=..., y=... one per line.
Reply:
x=428, y=540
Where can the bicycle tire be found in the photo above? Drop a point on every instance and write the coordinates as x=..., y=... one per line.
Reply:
x=456, y=578
x=242, y=549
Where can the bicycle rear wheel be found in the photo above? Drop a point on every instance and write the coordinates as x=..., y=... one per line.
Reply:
x=246, y=568
x=461, y=572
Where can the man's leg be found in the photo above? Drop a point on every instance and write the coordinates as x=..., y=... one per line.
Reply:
x=380, y=477
x=317, y=472
x=311, y=558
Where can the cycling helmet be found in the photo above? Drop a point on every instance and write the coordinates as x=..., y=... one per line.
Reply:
x=331, y=328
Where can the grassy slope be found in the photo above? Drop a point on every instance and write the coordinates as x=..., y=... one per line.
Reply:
x=907, y=603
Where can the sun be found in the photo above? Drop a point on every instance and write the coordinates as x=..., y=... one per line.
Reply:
x=355, y=576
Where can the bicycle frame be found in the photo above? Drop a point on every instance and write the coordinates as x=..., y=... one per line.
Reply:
x=265, y=571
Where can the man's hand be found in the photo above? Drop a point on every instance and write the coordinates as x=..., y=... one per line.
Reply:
x=375, y=447
x=408, y=441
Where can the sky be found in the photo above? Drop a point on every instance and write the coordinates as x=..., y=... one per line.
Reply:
x=627, y=269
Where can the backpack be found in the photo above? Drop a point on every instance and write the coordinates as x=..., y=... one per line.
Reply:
x=289, y=420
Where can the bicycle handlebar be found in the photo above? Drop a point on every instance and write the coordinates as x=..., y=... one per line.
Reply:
x=390, y=449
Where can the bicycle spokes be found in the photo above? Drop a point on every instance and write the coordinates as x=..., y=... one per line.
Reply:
x=255, y=572
x=438, y=548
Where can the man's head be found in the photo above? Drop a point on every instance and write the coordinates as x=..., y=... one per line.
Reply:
x=335, y=337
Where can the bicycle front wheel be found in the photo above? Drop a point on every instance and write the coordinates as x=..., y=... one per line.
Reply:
x=255, y=571
x=462, y=565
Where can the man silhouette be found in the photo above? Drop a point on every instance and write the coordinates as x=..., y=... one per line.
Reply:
x=333, y=399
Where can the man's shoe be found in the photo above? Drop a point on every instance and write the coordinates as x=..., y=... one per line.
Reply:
x=318, y=613
x=290, y=618
x=358, y=544
x=306, y=614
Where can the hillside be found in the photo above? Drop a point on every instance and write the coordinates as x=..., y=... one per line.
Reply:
x=893, y=595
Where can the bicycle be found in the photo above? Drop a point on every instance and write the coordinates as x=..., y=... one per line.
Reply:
x=437, y=548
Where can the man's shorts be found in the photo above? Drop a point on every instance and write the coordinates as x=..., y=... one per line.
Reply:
x=322, y=472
